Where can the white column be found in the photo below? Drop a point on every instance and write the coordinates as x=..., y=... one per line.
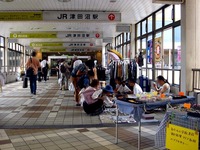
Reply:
x=190, y=51
x=103, y=55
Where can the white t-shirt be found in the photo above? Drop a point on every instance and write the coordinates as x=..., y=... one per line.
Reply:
x=167, y=87
x=77, y=63
x=137, y=89
x=43, y=63
x=107, y=101
x=122, y=89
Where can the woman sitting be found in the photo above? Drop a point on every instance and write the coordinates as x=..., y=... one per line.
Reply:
x=92, y=105
x=164, y=86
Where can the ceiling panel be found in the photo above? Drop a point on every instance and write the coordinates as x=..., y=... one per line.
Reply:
x=132, y=11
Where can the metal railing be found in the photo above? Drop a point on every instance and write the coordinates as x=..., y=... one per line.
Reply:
x=196, y=79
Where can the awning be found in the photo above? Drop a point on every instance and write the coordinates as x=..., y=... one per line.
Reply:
x=115, y=54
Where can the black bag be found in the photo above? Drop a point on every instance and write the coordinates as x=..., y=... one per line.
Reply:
x=30, y=71
x=25, y=82
x=63, y=68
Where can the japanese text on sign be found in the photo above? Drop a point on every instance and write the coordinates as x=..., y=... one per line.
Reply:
x=181, y=138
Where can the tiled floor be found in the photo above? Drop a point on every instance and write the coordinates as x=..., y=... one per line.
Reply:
x=51, y=121
x=50, y=107
x=75, y=139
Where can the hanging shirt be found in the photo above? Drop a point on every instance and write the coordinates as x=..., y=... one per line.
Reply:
x=137, y=89
x=123, y=89
x=43, y=63
x=107, y=101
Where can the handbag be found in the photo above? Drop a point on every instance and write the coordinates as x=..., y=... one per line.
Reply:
x=30, y=71
x=25, y=82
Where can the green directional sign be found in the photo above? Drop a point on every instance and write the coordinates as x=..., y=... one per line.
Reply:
x=21, y=16
x=40, y=44
x=53, y=50
x=33, y=35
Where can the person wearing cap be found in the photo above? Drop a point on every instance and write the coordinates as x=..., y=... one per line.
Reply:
x=107, y=97
x=136, y=88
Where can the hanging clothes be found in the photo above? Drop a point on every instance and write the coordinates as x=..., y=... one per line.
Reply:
x=101, y=73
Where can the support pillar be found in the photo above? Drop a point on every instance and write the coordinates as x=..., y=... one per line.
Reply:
x=190, y=51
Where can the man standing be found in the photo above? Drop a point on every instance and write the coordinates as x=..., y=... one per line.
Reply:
x=45, y=68
x=64, y=75
x=33, y=63
x=77, y=62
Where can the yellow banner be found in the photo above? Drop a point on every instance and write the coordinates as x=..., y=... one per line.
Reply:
x=180, y=138
x=33, y=35
x=21, y=16
x=39, y=44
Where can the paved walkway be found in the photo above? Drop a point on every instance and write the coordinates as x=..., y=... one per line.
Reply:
x=51, y=121
x=50, y=107
x=76, y=139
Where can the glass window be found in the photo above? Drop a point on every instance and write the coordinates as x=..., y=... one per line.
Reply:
x=144, y=47
x=125, y=51
x=128, y=36
x=138, y=30
x=2, y=59
x=159, y=19
x=144, y=27
x=125, y=37
x=150, y=24
x=2, y=41
x=128, y=51
x=167, y=48
x=177, y=47
x=168, y=15
x=121, y=38
x=138, y=47
x=177, y=12
x=176, y=77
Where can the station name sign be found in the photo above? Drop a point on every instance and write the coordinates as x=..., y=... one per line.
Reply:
x=81, y=16
x=60, y=16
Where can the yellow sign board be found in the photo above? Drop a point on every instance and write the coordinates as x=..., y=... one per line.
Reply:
x=180, y=138
x=53, y=50
x=21, y=16
x=33, y=35
x=39, y=44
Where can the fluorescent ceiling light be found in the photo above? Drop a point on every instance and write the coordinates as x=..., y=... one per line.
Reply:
x=7, y=0
x=64, y=0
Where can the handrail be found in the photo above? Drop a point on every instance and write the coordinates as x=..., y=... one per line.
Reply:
x=162, y=69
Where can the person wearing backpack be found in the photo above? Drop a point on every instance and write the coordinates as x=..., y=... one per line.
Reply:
x=76, y=73
x=45, y=67
x=64, y=75
x=32, y=66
